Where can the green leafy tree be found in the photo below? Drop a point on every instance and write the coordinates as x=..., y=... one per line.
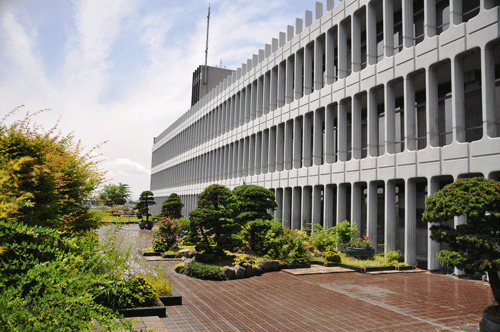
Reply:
x=473, y=246
x=113, y=195
x=172, y=207
x=250, y=202
x=211, y=219
x=145, y=201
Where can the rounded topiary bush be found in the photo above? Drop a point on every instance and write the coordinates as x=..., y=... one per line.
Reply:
x=331, y=255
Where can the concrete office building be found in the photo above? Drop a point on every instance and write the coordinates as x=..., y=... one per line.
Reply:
x=201, y=86
x=358, y=112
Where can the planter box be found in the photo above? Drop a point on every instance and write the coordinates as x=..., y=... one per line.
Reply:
x=377, y=268
x=330, y=264
x=174, y=299
x=146, y=224
x=360, y=252
x=159, y=311
x=145, y=253
x=295, y=266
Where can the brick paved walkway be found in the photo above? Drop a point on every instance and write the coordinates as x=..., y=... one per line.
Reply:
x=280, y=301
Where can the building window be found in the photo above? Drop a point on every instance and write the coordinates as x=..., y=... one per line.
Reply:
x=442, y=16
x=418, y=21
x=470, y=8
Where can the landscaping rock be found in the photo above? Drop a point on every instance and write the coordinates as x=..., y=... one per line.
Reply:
x=186, y=253
x=229, y=272
x=187, y=261
x=269, y=265
x=257, y=271
x=239, y=271
x=249, y=271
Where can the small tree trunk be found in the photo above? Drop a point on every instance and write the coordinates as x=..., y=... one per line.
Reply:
x=495, y=284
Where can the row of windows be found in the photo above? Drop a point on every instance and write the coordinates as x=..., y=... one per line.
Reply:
x=333, y=55
x=371, y=123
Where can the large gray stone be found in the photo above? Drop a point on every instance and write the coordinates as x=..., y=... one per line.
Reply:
x=229, y=272
x=239, y=271
x=249, y=271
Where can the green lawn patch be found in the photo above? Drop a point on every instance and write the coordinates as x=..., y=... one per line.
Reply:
x=375, y=261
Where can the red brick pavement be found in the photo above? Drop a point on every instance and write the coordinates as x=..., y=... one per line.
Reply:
x=279, y=301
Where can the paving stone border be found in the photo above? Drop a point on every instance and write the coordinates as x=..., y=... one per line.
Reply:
x=146, y=253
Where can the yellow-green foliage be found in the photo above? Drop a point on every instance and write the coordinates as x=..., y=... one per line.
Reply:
x=160, y=282
x=240, y=260
x=331, y=255
x=46, y=179
x=179, y=267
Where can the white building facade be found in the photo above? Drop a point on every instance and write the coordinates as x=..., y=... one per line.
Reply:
x=358, y=112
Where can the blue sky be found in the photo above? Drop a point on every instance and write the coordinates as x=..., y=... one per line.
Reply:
x=120, y=71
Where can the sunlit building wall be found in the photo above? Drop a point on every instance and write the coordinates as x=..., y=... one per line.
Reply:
x=357, y=112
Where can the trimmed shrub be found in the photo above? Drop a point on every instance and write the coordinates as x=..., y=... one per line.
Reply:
x=331, y=255
x=172, y=207
x=203, y=271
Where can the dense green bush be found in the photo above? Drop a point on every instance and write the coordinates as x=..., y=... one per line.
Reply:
x=345, y=232
x=250, y=202
x=323, y=237
x=331, y=255
x=287, y=244
x=172, y=207
x=253, y=236
x=203, y=271
x=211, y=218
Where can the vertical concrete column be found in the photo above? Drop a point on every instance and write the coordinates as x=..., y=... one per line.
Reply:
x=299, y=63
x=306, y=206
x=258, y=152
x=265, y=151
x=459, y=220
x=308, y=18
x=253, y=101
x=278, y=213
x=356, y=42
x=371, y=34
x=318, y=137
x=342, y=202
x=289, y=79
x=388, y=7
x=390, y=124
x=410, y=222
x=307, y=139
x=287, y=203
x=342, y=50
x=248, y=103
x=318, y=63
x=274, y=88
x=229, y=161
x=260, y=95
x=223, y=163
x=297, y=143
x=317, y=205
x=457, y=99
x=430, y=18
x=408, y=40
x=490, y=119
x=329, y=218
x=242, y=106
x=236, y=108
x=431, y=106
x=272, y=149
x=241, y=158
x=456, y=14
x=296, y=205
x=331, y=43
x=356, y=127
x=288, y=144
x=251, y=156
x=330, y=134
x=236, y=159
x=433, y=247
x=227, y=115
x=213, y=155
x=246, y=155
x=308, y=67
x=342, y=129
x=356, y=207
x=281, y=83
x=390, y=216
x=218, y=120
x=410, y=116
x=217, y=165
x=267, y=92
x=280, y=147
x=372, y=213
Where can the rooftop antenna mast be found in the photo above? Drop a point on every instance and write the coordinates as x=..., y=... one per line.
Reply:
x=206, y=50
